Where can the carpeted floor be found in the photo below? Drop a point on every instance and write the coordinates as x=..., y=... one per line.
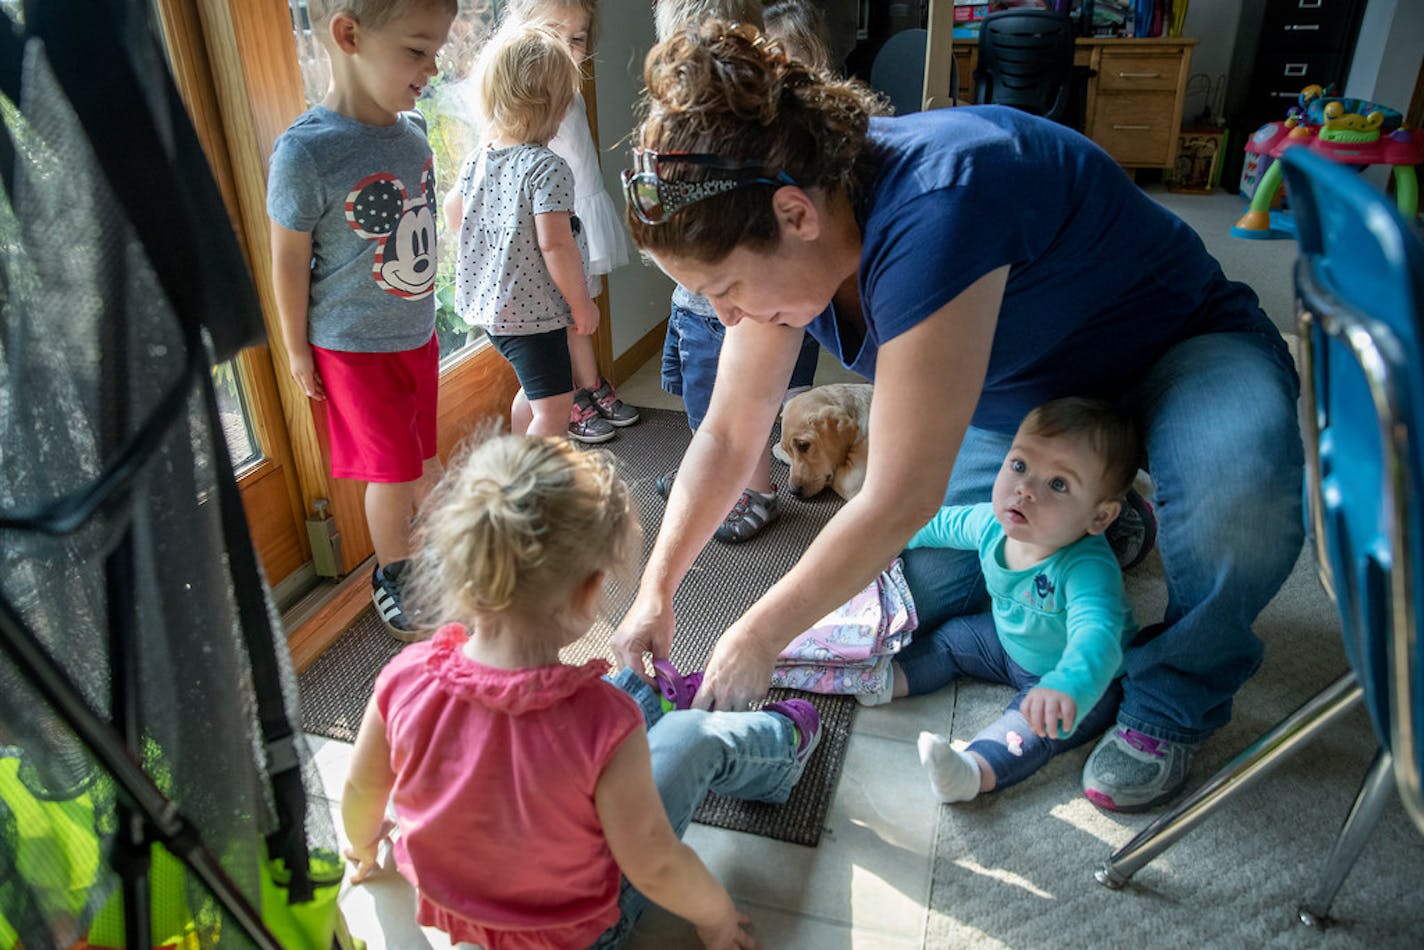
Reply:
x=1015, y=870
x=723, y=582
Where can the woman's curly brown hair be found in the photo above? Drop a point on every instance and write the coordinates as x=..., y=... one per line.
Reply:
x=728, y=90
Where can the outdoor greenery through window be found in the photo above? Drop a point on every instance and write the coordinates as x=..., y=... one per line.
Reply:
x=236, y=418
x=450, y=125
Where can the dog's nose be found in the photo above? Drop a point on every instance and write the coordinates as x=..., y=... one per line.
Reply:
x=796, y=490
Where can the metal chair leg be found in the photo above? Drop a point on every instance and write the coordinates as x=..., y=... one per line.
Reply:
x=1364, y=815
x=1297, y=729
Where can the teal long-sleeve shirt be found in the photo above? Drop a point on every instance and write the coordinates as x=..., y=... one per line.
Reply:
x=1065, y=619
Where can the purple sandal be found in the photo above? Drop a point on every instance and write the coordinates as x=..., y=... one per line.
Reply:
x=677, y=690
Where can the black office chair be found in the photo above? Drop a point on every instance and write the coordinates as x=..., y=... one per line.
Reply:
x=899, y=70
x=1026, y=61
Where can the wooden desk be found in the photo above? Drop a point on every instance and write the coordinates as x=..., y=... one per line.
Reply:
x=1135, y=91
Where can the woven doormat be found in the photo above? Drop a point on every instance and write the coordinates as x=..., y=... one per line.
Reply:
x=724, y=580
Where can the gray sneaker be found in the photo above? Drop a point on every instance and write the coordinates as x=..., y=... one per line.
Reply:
x=1134, y=532
x=1132, y=772
x=585, y=424
x=752, y=512
x=610, y=407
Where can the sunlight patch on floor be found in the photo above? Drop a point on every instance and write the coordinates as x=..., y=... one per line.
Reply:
x=1082, y=815
x=1004, y=877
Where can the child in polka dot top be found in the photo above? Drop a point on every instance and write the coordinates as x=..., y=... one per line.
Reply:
x=520, y=266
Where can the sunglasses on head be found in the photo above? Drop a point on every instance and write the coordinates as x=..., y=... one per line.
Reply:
x=654, y=199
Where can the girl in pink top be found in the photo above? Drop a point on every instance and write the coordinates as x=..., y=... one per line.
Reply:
x=522, y=786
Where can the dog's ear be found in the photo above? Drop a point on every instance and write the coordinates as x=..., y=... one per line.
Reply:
x=850, y=476
x=840, y=433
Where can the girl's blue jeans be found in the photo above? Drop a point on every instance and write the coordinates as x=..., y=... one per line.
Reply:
x=970, y=646
x=749, y=755
x=1222, y=444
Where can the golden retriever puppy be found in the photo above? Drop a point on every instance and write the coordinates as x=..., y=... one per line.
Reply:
x=825, y=432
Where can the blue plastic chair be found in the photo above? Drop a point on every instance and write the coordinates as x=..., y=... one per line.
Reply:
x=1360, y=301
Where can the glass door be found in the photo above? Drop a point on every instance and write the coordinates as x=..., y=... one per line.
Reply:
x=244, y=68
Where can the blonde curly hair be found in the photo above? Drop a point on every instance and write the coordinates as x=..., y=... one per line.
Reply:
x=727, y=90
x=517, y=523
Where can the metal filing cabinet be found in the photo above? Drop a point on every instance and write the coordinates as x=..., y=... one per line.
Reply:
x=1301, y=42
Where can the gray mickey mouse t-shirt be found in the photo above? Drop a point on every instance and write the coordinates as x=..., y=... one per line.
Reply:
x=366, y=194
x=501, y=280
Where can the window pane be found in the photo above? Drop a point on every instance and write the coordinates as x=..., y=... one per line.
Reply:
x=236, y=422
x=451, y=129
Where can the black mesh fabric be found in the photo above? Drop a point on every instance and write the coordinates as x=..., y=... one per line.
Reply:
x=89, y=349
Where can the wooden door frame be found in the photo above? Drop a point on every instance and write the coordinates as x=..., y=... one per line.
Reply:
x=236, y=62
x=270, y=488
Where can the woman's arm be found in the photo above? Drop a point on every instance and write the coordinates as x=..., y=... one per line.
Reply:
x=368, y=788
x=291, y=285
x=752, y=371
x=561, y=256
x=650, y=854
x=928, y=381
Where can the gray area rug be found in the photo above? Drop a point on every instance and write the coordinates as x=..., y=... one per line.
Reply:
x=724, y=581
x=1016, y=870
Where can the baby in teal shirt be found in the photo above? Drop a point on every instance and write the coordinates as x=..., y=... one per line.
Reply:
x=1060, y=619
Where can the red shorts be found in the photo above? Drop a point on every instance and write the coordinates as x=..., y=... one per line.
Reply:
x=380, y=411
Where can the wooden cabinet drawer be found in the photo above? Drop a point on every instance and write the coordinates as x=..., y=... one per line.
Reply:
x=1157, y=71
x=1136, y=128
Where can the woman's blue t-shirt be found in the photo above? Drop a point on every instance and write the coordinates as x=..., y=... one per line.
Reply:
x=1102, y=280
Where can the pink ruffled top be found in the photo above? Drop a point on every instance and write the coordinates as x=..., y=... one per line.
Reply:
x=495, y=777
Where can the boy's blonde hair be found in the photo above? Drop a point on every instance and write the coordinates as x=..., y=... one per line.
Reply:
x=525, y=80
x=669, y=16
x=372, y=14
x=801, y=28
x=517, y=523
x=527, y=11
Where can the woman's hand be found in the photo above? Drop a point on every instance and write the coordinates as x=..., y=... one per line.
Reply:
x=646, y=628
x=738, y=672
x=729, y=934
x=1045, y=708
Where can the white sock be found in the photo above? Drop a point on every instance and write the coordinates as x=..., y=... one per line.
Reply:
x=954, y=775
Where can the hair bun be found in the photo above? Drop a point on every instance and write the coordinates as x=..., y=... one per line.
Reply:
x=718, y=68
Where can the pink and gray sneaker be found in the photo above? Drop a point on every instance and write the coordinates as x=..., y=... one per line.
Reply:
x=1131, y=772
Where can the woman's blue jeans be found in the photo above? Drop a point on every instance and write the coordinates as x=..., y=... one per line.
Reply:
x=1222, y=443
x=749, y=755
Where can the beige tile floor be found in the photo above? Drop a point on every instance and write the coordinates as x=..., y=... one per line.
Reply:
x=864, y=887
